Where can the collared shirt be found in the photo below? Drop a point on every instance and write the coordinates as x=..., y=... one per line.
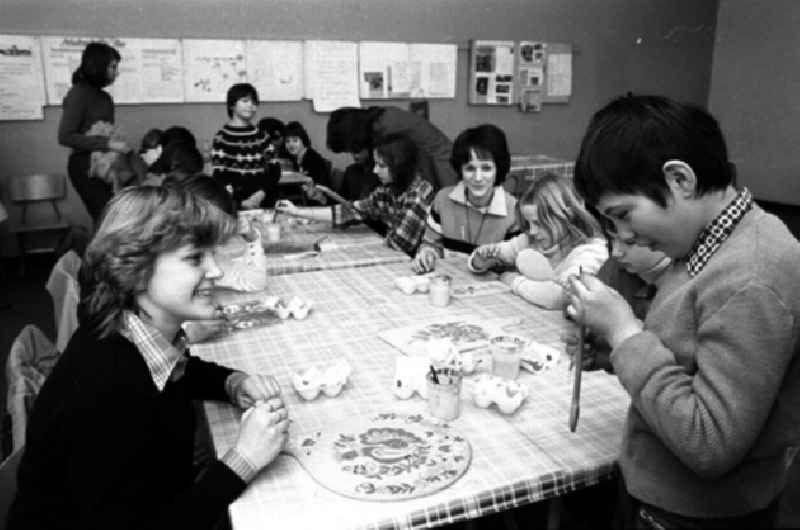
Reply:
x=718, y=231
x=164, y=360
x=404, y=215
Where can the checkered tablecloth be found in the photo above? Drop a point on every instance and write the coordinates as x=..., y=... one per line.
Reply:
x=517, y=459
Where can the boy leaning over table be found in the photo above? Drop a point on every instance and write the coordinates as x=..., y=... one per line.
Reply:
x=713, y=371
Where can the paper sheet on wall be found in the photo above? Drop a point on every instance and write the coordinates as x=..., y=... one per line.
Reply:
x=210, y=67
x=559, y=74
x=275, y=68
x=331, y=74
x=492, y=76
x=61, y=57
x=159, y=70
x=21, y=78
x=432, y=70
x=383, y=69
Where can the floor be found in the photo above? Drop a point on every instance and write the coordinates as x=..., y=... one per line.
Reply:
x=24, y=300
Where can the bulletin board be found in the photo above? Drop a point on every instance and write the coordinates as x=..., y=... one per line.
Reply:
x=527, y=73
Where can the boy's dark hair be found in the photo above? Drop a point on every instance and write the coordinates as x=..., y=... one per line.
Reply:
x=271, y=126
x=349, y=130
x=184, y=158
x=151, y=140
x=488, y=141
x=93, y=69
x=239, y=91
x=176, y=134
x=296, y=129
x=629, y=140
x=210, y=189
x=401, y=154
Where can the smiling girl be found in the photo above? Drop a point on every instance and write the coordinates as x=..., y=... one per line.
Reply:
x=560, y=239
x=477, y=210
x=111, y=436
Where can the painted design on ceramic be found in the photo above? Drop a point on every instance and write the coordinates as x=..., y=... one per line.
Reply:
x=388, y=457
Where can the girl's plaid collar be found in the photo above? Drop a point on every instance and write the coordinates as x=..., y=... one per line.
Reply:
x=718, y=231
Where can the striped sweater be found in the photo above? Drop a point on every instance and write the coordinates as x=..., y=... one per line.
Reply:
x=237, y=156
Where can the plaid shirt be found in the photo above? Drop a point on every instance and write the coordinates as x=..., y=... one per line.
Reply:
x=404, y=214
x=164, y=360
x=718, y=231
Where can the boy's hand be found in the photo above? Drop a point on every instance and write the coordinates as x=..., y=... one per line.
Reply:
x=286, y=206
x=425, y=260
x=571, y=340
x=119, y=146
x=263, y=432
x=602, y=309
x=314, y=193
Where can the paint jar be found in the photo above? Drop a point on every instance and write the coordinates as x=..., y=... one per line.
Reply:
x=272, y=232
x=506, y=355
x=444, y=393
x=439, y=290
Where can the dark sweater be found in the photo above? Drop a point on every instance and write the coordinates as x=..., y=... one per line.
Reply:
x=237, y=153
x=82, y=107
x=106, y=449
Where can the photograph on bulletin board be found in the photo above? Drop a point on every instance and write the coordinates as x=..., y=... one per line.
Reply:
x=530, y=74
x=492, y=73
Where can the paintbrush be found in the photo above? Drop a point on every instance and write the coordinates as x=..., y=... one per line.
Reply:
x=575, y=405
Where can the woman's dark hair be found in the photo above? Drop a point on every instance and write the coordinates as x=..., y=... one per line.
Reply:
x=139, y=224
x=95, y=59
x=176, y=139
x=151, y=140
x=488, y=142
x=183, y=158
x=296, y=129
x=349, y=130
x=629, y=140
x=239, y=91
x=210, y=189
x=271, y=126
x=401, y=154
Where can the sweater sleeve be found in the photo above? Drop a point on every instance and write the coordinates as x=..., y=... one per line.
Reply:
x=588, y=257
x=709, y=417
x=74, y=108
x=206, y=380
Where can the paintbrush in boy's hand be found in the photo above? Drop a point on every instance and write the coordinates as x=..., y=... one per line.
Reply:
x=577, y=365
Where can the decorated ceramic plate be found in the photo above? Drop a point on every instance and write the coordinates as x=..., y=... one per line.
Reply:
x=386, y=457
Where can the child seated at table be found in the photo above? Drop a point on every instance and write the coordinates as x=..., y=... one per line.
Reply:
x=477, y=210
x=561, y=239
x=305, y=159
x=110, y=438
x=397, y=208
x=713, y=372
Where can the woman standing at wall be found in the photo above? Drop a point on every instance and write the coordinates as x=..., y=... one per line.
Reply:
x=85, y=104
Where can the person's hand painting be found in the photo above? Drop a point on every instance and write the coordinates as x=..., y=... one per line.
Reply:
x=602, y=309
x=425, y=260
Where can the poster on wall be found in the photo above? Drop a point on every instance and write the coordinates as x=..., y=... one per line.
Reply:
x=383, y=70
x=558, y=72
x=275, y=68
x=331, y=74
x=210, y=67
x=21, y=80
x=159, y=70
x=432, y=70
x=492, y=76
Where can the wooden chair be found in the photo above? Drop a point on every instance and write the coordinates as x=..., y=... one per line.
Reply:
x=8, y=484
x=31, y=191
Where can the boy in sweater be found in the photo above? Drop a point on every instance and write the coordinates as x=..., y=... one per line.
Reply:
x=713, y=371
x=237, y=151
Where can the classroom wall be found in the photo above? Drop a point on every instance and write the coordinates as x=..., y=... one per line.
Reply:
x=754, y=85
x=654, y=46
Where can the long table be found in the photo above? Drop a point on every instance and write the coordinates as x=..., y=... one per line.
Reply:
x=517, y=459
